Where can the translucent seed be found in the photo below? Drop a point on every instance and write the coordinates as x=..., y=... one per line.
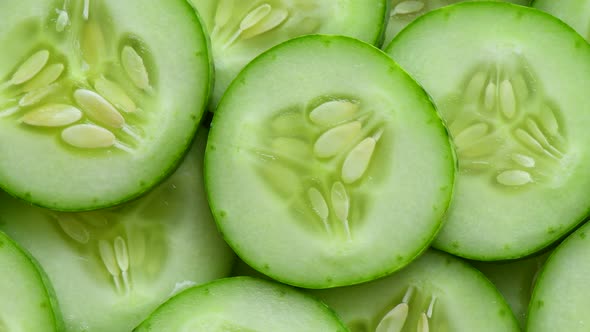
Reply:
x=333, y=112
x=273, y=20
x=340, y=201
x=121, y=254
x=31, y=67
x=284, y=180
x=73, y=228
x=331, y=142
x=514, y=178
x=88, y=136
x=469, y=135
x=358, y=159
x=135, y=68
x=507, y=99
x=528, y=141
x=35, y=96
x=318, y=203
x=523, y=160
x=430, y=310
x=98, y=108
x=62, y=20
x=536, y=132
x=521, y=88
x=408, y=7
x=107, y=254
x=490, y=96
x=223, y=13
x=112, y=92
x=255, y=16
x=549, y=121
x=46, y=77
x=395, y=319
x=93, y=43
x=52, y=115
x=291, y=147
x=475, y=87
x=86, y=10
x=481, y=148
x=423, y=325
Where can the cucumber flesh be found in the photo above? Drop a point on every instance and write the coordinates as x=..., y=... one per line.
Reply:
x=111, y=268
x=436, y=292
x=502, y=83
x=242, y=304
x=94, y=107
x=306, y=181
x=241, y=30
x=27, y=302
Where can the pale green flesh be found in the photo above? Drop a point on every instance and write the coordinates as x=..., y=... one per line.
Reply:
x=573, y=12
x=26, y=303
x=242, y=304
x=437, y=290
x=112, y=69
x=404, y=12
x=287, y=208
x=515, y=107
x=266, y=23
x=560, y=297
x=111, y=268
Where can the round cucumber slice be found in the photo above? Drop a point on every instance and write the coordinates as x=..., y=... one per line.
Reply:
x=242, y=304
x=437, y=292
x=560, y=297
x=404, y=12
x=98, y=99
x=241, y=30
x=311, y=164
x=111, y=268
x=573, y=12
x=22, y=279
x=515, y=106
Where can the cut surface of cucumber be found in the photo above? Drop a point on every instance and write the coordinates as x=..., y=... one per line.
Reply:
x=322, y=153
x=95, y=108
x=27, y=302
x=242, y=304
x=560, y=298
x=515, y=107
x=111, y=268
x=436, y=292
x=241, y=30
x=573, y=12
x=404, y=12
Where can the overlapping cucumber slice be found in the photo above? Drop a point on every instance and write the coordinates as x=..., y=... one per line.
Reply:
x=241, y=30
x=27, y=302
x=323, y=154
x=573, y=12
x=99, y=100
x=111, y=268
x=515, y=107
x=242, y=304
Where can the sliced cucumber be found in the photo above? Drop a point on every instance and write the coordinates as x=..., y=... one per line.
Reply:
x=111, y=268
x=560, y=297
x=515, y=106
x=437, y=292
x=307, y=180
x=573, y=12
x=27, y=302
x=404, y=12
x=98, y=99
x=242, y=304
x=241, y=30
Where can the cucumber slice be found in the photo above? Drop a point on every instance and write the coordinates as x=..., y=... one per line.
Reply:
x=437, y=292
x=241, y=30
x=27, y=302
x=404, y=12
x=307, y=180
x=111, y=268
x=573, y=12
x=242, y=304
x=98, y=99
x=560, y=297
x=516, y=109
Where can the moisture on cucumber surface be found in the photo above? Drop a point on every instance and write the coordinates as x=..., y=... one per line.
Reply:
x=560, y=298
x=111, y=268
x=437, y=292
x=322, y=154
x=95, y=108
x=242, y=304
x=575, y=13
x=27, y=302
x=241, y=30
x=511, y=83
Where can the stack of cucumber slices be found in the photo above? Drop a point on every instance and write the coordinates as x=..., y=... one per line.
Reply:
x=294, y=165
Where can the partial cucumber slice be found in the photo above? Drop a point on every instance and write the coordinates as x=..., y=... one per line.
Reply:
x=307, y=180
x=111, y=268
x=98, y=99
x=242, y=304
x=516, y=109
x=27, y=302
x=404, y=12
x=573, y=12
x=241, y=30
x=560, y=297
x=437, y=292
